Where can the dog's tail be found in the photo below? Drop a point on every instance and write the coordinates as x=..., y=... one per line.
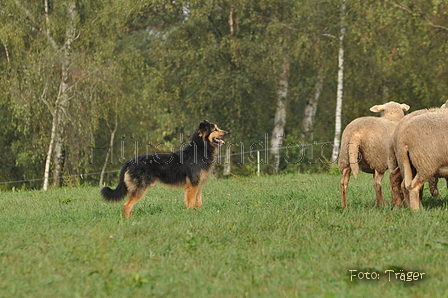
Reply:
x=117, y=194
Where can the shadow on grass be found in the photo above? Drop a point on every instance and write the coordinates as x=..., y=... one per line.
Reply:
x=431, y=203
x=148, y=209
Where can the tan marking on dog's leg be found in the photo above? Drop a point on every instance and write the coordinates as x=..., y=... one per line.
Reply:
x=198, y=199
x=133, y=198
x=377, y=179
x=344, y=185
x=202, y=180
x=190, y=195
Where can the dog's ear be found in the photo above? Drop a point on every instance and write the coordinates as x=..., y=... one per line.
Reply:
x=204, y=124
x=203, y=129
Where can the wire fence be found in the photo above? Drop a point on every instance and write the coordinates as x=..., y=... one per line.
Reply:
x=60, y=177
x=242, y=154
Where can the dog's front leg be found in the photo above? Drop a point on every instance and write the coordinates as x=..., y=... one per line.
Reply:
x=198, y=201
x=191, y=192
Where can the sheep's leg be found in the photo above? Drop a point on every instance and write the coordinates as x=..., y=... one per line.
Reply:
x=395, y=188
x=344, y=185
x=433, y=187
x=420, y=193
x=414, y=192
x=377, y=179
x=405, y=193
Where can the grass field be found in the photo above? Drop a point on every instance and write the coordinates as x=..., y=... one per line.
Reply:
x=272, y=236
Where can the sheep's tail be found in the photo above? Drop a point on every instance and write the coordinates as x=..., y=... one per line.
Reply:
x=392, y=163
x=349, y=154
x=353, y=157
x=117, y=194
x=407, y=170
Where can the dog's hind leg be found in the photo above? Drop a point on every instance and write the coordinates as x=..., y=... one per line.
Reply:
x=137, y=187
x=134, y=198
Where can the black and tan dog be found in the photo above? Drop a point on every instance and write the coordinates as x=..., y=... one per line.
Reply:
x=189, y=168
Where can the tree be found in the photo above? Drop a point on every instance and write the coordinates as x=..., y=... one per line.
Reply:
x=278, y=132
x=56, y=70
x=85, y=74
x=59, y=107
x=309, y=114
x=340, y=89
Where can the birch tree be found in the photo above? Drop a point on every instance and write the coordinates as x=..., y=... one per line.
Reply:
x=278, y=133
x=113, y=130
x=59, y=107
x=340, y=86
x=309, y=113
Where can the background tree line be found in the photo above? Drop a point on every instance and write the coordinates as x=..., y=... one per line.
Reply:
x=80, y=75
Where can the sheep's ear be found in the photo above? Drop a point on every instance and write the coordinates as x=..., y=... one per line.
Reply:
x=377, y=108
x=405, y=107
x=445, y=105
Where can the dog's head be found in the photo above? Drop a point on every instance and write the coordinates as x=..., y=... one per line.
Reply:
x=210, y=133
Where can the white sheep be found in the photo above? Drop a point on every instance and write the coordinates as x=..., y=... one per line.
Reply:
x=395, y=176
x=365, y=144
x=421, y=152
x=396, y=181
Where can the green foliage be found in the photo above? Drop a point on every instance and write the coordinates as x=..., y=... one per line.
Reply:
x=251, y=238
x=156, y=68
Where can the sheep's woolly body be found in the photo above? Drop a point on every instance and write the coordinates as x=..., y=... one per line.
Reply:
x=420, y=145
x=364, y=146
x=397, y=191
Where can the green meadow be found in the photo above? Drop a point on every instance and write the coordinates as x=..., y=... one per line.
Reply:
x=270, y=236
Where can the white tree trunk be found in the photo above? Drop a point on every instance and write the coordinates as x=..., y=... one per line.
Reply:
x=59, y=154
x=309, y=114
x=54, y=111
x=280, y=115
x=50, y=152
x=63, y=100
x=340, y=88
x=109, y=151
x=60, y=107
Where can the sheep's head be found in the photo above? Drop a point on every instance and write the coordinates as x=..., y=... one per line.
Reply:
x=393, y=110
